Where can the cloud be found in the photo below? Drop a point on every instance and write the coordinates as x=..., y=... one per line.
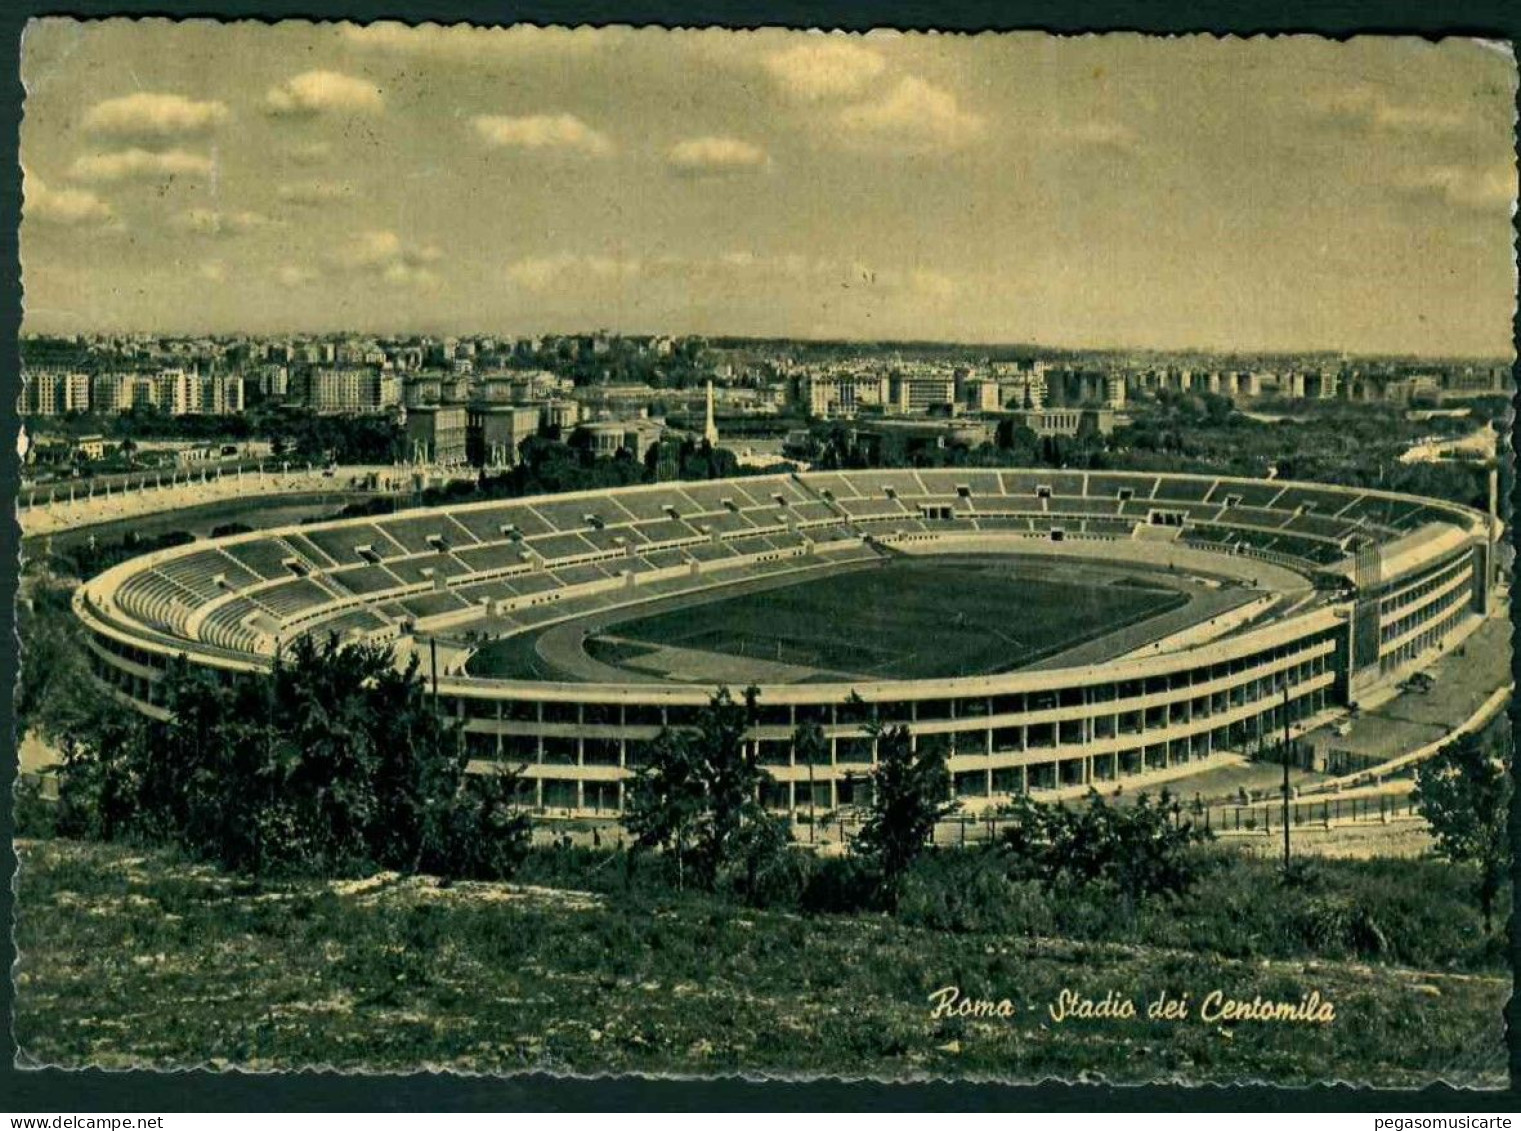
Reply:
x=1487, y=189
x=825, y=68
x=323, y=92
x=383, y=254
x=210, y=222
x=715, y=156
x=540, y=273
x=932, y=284
x=462, y=43
x=314, y=194
x=1096, y=134
x=540, y=131
x=1368, y=108
x=139, y=164
x=65, y=208
x=147, y=116
x=728, y=273
x=291, y=275
x=913, y=115
x=410, y=275
x=312, y=153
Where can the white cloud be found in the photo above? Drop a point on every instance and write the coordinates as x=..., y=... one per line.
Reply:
x=1491, y=188
x=210, y=222
x=382, y=253
x=738, y=271
x=139, y=164
x=540, y=131
x=323, y=92
x=312, y=153
x=1098, y=134
x=827, y=68
x=292, y=275
x=715, y=156
x=401, y=274
x=68, y=207
x=913, y=115
x=370, y=249
x=314, y=194
x=147, y=116
x=466, y=44
x=1368, y=107
x=932, y=284
x=540, y=273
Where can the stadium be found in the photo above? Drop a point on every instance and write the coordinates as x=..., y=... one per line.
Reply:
x=1048, y=630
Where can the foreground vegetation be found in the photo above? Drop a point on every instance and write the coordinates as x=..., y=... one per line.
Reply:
x=295, y=870
x=136, y=958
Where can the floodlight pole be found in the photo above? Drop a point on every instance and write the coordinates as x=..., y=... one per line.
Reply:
x=1285, y=773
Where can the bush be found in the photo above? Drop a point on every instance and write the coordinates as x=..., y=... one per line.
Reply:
x=35, y=815
x=972, y=892
x=1137, y=851
x=484, y=836
x=334, y=765
x=838, y=885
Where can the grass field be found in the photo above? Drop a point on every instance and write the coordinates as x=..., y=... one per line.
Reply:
x=908, y=620
x=131, y=958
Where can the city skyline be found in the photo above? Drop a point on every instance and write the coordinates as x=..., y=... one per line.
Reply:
x=1280, y=196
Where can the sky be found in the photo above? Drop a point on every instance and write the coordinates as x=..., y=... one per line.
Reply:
x=1285, y=194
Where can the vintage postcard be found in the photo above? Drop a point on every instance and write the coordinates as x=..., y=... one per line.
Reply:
x=701, y=553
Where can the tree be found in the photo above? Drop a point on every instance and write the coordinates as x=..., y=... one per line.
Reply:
x=335, y=763
x=697, y=794
x=667, y=798
x=810, y=747
x=1134, y=851
x=1464, y=791
x=909, y=797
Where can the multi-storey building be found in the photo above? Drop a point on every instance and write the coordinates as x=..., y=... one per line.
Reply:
x=436, y=434
x=50, y=393
x=351, y=390
x=920, y=392
x=494, y=432
x=829, y=395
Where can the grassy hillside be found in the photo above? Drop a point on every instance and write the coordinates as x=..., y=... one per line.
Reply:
x=132, y=958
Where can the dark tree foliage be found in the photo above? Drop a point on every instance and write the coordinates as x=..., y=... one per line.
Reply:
x=308, y=436
x=909, y=797
x=1136, y=851
x=810, y=748
x=1464, y=791
x=697, y=798
x=54, y=690
x=336, y=764
x=668, y=798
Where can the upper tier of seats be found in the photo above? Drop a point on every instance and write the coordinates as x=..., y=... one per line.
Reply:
x=416, y=564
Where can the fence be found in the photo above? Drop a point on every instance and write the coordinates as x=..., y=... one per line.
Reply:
x=1259, y=818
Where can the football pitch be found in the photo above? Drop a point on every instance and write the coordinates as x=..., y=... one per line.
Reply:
x=909, y=620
